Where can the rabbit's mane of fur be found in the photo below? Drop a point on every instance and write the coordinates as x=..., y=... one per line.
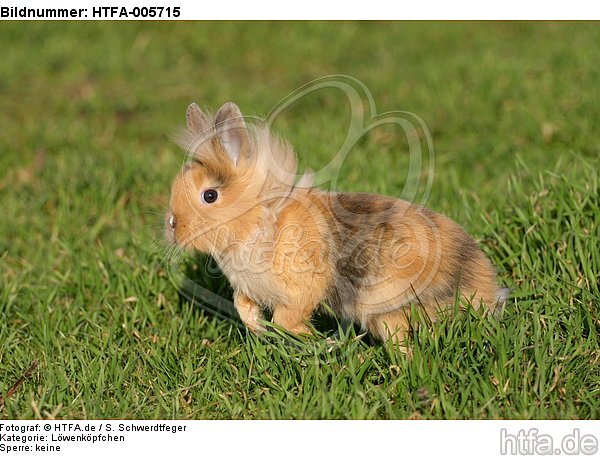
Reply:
x=268, y=167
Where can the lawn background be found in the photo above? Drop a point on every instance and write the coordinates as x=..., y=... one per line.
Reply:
x=86, y=162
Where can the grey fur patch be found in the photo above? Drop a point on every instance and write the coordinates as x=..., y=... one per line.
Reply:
x=356, y=217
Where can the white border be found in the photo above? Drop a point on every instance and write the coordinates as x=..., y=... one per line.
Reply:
x=265, y=438
x=349, y=9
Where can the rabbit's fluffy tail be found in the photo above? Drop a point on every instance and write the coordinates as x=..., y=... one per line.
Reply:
x=503, y=295
x=502, y=300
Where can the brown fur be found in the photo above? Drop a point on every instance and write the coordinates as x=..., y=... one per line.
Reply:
x=289, y=248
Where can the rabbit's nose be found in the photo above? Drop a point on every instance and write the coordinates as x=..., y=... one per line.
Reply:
x=171, y=221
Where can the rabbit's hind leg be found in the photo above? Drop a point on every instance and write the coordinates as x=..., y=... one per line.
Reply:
x=393, y=325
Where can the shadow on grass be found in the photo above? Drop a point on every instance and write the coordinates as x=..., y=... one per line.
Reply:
x=208, y=292
x=206, y=288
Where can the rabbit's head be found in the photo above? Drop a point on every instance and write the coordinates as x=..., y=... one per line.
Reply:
x=232, y=182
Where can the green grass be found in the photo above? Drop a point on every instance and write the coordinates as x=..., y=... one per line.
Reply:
x=85, y=170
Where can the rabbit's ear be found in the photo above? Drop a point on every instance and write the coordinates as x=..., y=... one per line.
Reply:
x=232, y=131
x=196, y=120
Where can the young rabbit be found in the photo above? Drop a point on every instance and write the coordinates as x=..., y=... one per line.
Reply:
x=287, y=247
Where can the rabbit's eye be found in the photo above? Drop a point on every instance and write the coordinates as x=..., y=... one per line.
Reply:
x=209, y=196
